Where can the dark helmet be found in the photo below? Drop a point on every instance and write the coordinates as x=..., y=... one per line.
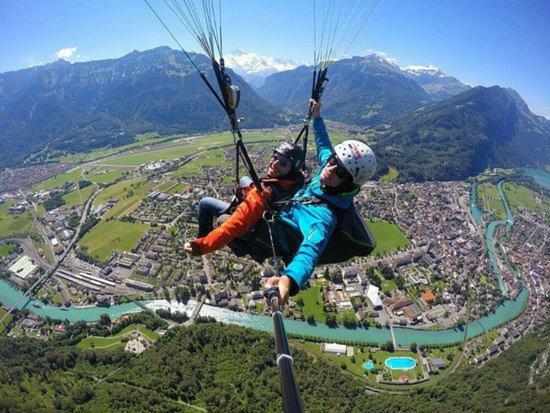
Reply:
x=292, y=152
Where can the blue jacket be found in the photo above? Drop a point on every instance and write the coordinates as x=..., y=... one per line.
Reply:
x=315, y=222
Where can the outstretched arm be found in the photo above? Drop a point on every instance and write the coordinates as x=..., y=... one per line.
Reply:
x=322, y=140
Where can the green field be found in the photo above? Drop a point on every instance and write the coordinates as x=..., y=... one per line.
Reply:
x=388, y=237
x=78, y=196
x=390, y=177
x=179, y=188
x=74, y=175
x=129, y=194
x=488, y=196
x=313, y=303
x=6, y=250
x=103, y=177
x=387, y=285
x=116, y=340
x=213, y=157
x=108, y=236
x=141, y=140
x=6, y=321
x=11, y=225
x=520, y=197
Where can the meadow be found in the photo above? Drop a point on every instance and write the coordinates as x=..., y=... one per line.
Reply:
x=108, y=236
x=74, y=175
x=78, y=196
x=520, y=197
x=129, y=194
x=116, y=340
x=390, y=177
x=6, y=250
x=487, y=194
x=11, y=225
x=388, y=237
x=103, y=176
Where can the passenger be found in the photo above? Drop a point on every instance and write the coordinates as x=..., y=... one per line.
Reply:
x=311, y=212
x=284, y=178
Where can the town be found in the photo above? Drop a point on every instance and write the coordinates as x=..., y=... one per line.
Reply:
x=115, y=235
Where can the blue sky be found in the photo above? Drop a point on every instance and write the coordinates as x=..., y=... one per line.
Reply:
x=483, y=42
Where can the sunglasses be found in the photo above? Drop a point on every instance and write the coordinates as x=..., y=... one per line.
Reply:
x=340, y=171
x=283, y=162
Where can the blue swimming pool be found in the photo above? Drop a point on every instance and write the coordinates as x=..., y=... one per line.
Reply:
x=400, y=363
x=368, y=365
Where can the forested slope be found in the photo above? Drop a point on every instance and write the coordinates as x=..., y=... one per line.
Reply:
x=229, y=368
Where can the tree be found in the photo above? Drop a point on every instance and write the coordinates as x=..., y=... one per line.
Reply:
x=300, y=302
x=388, y=346
x=349, y=319
x=105, y=320
x=331, y=319
x=414, y=347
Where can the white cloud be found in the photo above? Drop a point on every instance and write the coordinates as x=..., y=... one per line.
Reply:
x=66, y=53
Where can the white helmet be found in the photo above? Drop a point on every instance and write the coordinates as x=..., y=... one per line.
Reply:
x=358, y=158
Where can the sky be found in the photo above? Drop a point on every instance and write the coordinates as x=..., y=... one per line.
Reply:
x=481, y=42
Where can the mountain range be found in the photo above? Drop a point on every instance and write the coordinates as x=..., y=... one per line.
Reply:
x=436, y=83
x=445, y=129
x=462, y=136
x=361, y=91
x=81, y=106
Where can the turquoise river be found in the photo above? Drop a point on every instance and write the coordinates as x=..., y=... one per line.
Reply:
x=508, y=310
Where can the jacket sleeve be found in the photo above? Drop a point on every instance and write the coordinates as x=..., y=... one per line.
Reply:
x=322, y=140
x=316, y=237
x=247, y=214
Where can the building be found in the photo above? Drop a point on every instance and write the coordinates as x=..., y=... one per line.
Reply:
x=334, y=348
x=23, y=267
x=373, y=297
x=139, y=285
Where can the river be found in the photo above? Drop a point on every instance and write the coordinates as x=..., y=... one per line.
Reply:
x=540, y=176
x=404, y=336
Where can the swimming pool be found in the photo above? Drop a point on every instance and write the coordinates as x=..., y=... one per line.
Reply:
x=400, y=363
x=368, y=365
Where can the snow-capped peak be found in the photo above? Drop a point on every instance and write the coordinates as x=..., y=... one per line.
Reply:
x=419, y=70
x=254, y=68
x=251, y=62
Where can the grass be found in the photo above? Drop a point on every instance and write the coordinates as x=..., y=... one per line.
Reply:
x=74, y=175
x=104, y=177
x=355, y=364
x=520, y=197
x=115, y=340
x=141, y=140
x=313, y=303
x=390, y=177
x=6, y=250
x=387, y=285
x=388, y=237
x=4, y=324
x=490, y=200
x=108, y=236
x=129, y=194
x=179, y=188
x=78, y=196
x=213, y=158
x=11, y=225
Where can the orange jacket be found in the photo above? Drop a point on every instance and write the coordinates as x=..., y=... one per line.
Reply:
x=247, y=213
